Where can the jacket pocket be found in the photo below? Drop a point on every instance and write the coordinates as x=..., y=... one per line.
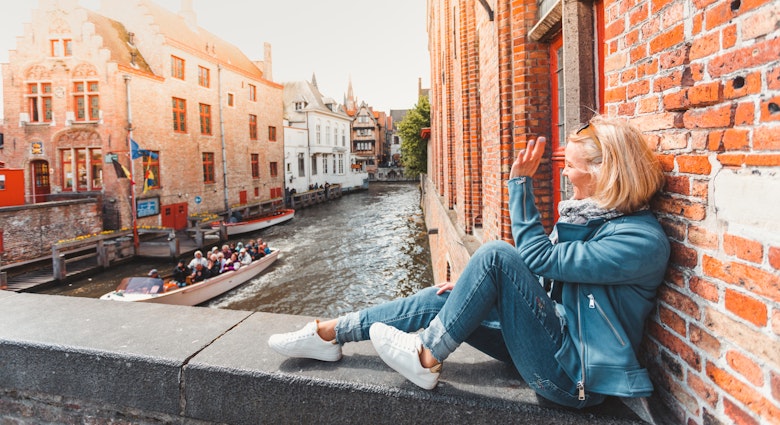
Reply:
x=592, y=303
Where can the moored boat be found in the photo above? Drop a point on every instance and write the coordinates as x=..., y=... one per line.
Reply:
x=151, y=290
x=254, y=224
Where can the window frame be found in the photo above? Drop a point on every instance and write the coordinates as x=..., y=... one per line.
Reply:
x=209, y=172
x=271, y=133
x=204, y=77
x=66, y=44
x=205, y=119
x=178, y=67
x=86, y=94
x=39, y=98
x=252, y=93
x=150, y=162
x=273, y=169
x=179, y=107
x=252, y=127
x=255, y=165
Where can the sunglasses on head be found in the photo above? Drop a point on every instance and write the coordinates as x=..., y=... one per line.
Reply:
x=587, y=130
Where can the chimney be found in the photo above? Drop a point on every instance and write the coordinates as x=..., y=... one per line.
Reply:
x=188, y=13
x=268, y=63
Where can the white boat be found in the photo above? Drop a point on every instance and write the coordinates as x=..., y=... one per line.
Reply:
x=255, y=224
x=150, y=290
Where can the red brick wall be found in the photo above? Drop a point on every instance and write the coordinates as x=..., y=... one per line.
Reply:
x=702, y=80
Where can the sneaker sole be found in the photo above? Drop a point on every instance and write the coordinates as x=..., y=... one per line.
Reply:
x=303, y=355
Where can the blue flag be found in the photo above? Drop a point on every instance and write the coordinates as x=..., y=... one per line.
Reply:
x=136, y=152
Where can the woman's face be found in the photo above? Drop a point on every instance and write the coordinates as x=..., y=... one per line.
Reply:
x=577, y=171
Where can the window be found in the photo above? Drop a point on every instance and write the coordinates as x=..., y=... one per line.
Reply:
x=327, y=134
x=252, y=93
x=319, y=133
x=179, y=115
x=301, y=166
x=255, y=166
x=208, y=167
x=271, y=133
x=343, y=137
x=313, y=165
x=257, y=192
x=299, y=106
x=86, y=101
x=204, y=77
x=363, y=118
x=82, y=169
x=341, y=163
x=177, y=67
x=324, y=164
x=230, y=99
x=62, y=47
x=274, y=169
x=39, y=102
x=205, y=119
x=252, y=127
x=276, y=192
x=151, y=169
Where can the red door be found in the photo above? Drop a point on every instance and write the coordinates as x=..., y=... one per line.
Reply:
x=40, y=177
x=175, y=216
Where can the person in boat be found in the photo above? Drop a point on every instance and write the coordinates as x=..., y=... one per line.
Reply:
x=244, y=258
x=574, y=344
x=214, y=265
x=201, y=273
x=199, y=259
x=153, y=274
x=180, y=273
x=226, y=251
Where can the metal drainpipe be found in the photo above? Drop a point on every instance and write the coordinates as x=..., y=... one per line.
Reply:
x=222, y=139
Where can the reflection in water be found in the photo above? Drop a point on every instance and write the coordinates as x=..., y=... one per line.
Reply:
x=362, y=249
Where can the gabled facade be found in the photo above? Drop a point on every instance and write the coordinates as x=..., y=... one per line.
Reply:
x=366, y=139
x=205, y=118
x=317, y=140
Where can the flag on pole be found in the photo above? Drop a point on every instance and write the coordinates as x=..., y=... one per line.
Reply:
x=148, y=176
x=121, y=171
x=136, y=151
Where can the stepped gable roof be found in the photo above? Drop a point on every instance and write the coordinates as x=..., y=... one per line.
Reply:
x=304, y=91
x=199, y=41
x=116, y=40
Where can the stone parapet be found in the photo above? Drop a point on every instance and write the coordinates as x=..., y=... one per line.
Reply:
x=69, y=359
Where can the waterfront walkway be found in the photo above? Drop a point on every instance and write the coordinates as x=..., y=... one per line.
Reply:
x=104, y=361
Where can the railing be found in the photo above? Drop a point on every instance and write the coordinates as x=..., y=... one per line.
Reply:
x=103, y=248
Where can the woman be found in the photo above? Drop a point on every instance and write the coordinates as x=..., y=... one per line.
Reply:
x=574, y=344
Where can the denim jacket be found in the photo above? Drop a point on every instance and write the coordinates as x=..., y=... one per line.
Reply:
x=606, y=274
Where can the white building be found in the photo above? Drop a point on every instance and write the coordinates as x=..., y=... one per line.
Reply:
x=317, y=140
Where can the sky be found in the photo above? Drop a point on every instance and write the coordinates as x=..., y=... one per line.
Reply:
x=381, y=45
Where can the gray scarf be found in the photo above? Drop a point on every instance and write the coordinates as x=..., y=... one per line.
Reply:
x=580, y=211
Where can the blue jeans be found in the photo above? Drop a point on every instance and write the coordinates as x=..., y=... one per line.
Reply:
x=497, y=306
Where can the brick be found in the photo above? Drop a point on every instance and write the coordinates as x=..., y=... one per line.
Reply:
x=671, y=80
x=705, y=94
x=743, y=248
x=741, y=392
x=659, y=121
x=627, y=109
x=774, y=377
x=682, y=207
x=680, y=302
x=677, y=101
x=774, y=257
x=748, y=308
x=766, y=138
x=675, y=229
x=704, y=288
x=699, y=139
x=760, y=24
x=704, y=390
x=667, y=39
x=674, y=58
x=736, y=414
x=745, y=367
x=700, y=188
x=648, y=105
x=745, y=113
x=762, y=160
x=776, y=321
x=694, y=164
x=741, y=86
x=773, y=78
x=676, y=345
x=732, y=159
x=718, y=15
x=705, y=46
x=678, y=184
x=770, y=109
x=667, y=162
x=713, y=117
x=751, y=56
x=748, y=277
x=672, y=320
x=683, y=256
x=703, y=238
x=705, y=341
x=728, y=36
x=736, y=139
x=765, y=350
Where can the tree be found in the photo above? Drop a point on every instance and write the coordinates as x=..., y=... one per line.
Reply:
x=414, y=149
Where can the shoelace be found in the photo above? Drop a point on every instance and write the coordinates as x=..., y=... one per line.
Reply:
x=404, y=341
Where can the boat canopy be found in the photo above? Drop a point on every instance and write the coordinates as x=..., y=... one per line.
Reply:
x=141, y=285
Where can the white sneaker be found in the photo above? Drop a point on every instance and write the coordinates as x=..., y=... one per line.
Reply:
x=306, y=344
x=401, y=351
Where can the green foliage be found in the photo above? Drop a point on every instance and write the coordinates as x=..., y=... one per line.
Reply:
x=414, y=150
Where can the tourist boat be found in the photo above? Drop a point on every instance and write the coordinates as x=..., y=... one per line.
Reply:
x=151, y=290
x=254, y=224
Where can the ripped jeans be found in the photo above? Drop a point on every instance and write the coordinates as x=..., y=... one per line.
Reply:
x=498, y=307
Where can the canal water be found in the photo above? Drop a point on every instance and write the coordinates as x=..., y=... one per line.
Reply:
x=362, y=249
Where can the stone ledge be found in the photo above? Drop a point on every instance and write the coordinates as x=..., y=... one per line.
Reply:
x=214, y=366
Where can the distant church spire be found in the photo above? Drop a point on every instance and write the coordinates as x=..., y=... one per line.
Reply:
x=314, y=80
x=349, y=100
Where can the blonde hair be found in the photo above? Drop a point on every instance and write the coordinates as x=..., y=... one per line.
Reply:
x=626, y=173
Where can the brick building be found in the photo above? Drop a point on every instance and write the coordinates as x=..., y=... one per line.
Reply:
x=368, y=134
x=702, y=80
x=207, y=119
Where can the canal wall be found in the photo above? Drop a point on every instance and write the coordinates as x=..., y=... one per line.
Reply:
x=82, y=360
x=29, y=231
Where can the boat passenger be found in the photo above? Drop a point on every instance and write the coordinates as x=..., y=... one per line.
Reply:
x=201, y=273
x=244, y=258
x=234, y=263
x=153, y=273
x=180, y=273
x=226, y=251
x=214, y=265
x=199, y=259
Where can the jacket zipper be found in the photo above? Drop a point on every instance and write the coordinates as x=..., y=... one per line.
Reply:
x=581, y=384
x=594, y=304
